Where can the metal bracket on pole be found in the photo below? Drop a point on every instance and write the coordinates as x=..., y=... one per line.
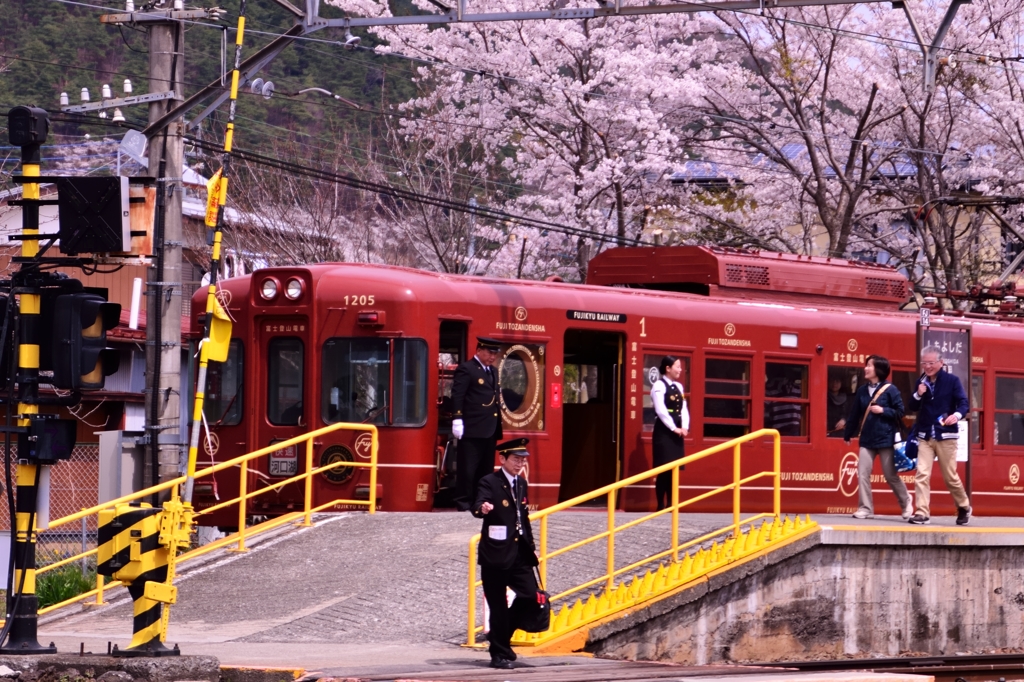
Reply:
x=120, y=102
x=931, y=52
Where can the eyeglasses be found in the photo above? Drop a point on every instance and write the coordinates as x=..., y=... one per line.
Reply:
x=931, y=362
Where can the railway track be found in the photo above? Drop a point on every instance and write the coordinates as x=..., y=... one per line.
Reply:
x=973, y=668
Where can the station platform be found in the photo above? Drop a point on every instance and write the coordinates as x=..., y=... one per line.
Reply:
x=384, y=597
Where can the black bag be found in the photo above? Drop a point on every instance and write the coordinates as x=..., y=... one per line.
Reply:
x=532, y=615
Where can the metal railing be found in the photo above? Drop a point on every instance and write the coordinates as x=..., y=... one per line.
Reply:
x=612, y=594
x=243, y=533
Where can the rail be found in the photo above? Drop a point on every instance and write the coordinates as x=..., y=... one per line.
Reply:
x=243, y=533
x=617, y=596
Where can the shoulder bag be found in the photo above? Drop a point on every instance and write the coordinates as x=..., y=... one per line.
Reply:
x=532, y=615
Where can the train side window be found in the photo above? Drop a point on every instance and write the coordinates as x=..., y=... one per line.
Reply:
x=1009, y=411
x=354, y=379
x=285, y=361
x=521, y=370
x=409, y=383
x=651, y=374
x=786, y=402
x=842, y=385
x=726, y=398
x=977, y=408
x=223, y=403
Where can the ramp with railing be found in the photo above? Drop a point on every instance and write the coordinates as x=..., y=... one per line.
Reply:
x=243, y=463
x=673, y=565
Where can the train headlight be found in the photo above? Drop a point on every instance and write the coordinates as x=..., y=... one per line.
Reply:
x=268, y=290
x=293, y=289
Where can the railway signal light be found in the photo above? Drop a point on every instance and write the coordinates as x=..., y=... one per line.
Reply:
x=81, y=358
x=94, y=215
x=27, y=126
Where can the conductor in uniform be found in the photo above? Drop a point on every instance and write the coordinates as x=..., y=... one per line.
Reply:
x=507, y=554
x=476, y=408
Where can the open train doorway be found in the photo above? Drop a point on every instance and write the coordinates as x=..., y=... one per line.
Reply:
x=591, y=411
x=451, y=351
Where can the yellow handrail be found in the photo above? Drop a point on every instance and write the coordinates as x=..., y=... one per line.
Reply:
x=610, y=492
x=239, y=537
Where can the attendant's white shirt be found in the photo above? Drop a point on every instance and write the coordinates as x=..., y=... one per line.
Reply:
x=658, y=398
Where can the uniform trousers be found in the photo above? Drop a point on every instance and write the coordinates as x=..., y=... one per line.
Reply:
x=522, y=581
x=864, y=466
x=927, y=452
x=474, y=460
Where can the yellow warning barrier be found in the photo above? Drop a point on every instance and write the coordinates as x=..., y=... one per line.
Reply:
x=239, y=538
x=663, y=571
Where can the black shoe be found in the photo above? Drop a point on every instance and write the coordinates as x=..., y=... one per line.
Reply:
x=502, y=663
x=919, y=520
x=963, y=516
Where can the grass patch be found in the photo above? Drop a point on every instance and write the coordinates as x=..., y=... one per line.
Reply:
x=63, y=583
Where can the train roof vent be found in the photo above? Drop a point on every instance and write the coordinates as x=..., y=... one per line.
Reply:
x=703, y=269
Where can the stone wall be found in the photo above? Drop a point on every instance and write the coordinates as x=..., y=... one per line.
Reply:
x=827, y=601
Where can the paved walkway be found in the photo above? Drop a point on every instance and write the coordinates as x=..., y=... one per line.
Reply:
x=367, y=595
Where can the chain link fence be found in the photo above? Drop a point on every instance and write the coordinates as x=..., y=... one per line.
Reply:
x=74, y=485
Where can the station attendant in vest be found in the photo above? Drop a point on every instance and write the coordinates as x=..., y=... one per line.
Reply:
x=671, y=425
x=940, y=402
x=506, y=554
x=476, y=408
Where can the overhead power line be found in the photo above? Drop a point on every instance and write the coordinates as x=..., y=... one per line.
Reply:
x=418, y=197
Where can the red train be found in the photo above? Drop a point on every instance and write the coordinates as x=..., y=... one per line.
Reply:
x=760, y=335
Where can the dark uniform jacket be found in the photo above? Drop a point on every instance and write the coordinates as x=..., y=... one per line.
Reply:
x=493, y=551
x=945, y=397
x=879, y=429
x=476, y=400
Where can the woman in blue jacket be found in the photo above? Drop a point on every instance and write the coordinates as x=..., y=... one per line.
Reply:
x=876, y=412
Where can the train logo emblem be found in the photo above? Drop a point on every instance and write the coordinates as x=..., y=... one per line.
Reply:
x=557, y=370
x=211, y=444
x=364, y=446
x=730, y=329
x=848, y=475
x=851, y=345
x=520, y=314
x=223, y=297
x=1014, y=474
x=653, y=375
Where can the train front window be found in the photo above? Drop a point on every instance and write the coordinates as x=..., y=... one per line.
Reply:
x=726, y=398
x=354, y=380
x=285, y=361
x=410, y=382
x=223, y=402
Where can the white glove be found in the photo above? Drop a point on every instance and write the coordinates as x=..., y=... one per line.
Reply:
x=457, y=429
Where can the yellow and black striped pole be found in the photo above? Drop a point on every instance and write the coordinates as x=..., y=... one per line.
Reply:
x=217, y=325
x=27, y=128
x=130, y=548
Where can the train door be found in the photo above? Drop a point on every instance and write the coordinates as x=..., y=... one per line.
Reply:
x=591, y=411
x=283, y=405
x=451, y=350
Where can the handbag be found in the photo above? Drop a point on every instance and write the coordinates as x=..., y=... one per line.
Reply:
x=532, y=615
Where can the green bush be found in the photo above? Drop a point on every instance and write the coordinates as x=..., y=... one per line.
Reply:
x=63, y=583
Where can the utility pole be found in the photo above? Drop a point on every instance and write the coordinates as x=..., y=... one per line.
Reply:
x=163, y=302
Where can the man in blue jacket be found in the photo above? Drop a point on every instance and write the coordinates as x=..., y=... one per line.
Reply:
x=940, y=402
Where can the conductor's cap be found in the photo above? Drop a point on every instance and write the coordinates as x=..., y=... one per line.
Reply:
x=516, y=446
x=488, y=344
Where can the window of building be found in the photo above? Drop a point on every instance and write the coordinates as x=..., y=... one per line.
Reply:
x=651, y=374
x=726, y=398
x=222, y=405
x=786, y=402
x=1009, y=411
x=842, y=386
x=285, y=361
